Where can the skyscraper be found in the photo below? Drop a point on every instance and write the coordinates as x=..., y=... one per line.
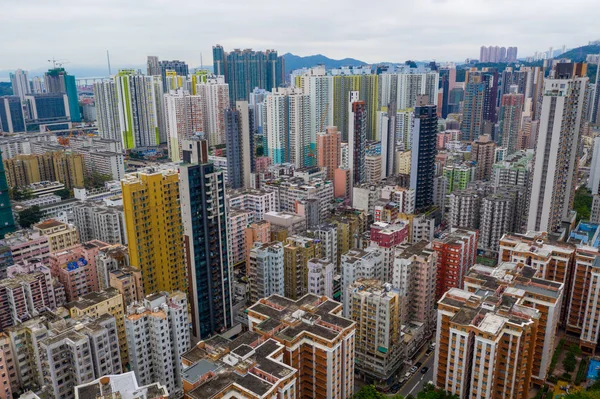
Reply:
x=215, y=96
x=239, y=143
x=153, y=67
x=205, y=241
x=57, y=80
x=179, y=67
x=7, y=222
x=184, y=116
x=555, y=166
x=107, y=110
x=422, y=169
x=20, y=83
x=510, y=120
x=246, y=69
x=483, y=151
x=357, y=138
x=154, y=229
x=140, y=109
x=288, y=127
x=472, y=115
x=388, y=140
x=319, y=86
x=367, y=87
x=11, y=115
x=328, y=150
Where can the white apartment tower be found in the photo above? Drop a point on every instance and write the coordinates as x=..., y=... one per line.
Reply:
x=266, y=270
x=184, y=114
x=157, y=335
x=555, y=165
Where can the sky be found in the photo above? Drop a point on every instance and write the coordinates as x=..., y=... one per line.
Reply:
x=81, y=31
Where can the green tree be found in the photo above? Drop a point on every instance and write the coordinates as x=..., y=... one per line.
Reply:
x=367, y=392
x=582, y=203
x=569, y=362
x=260, y=151
x=17, y=194
x=29, y=216
x=96, y=180
x=63, y=193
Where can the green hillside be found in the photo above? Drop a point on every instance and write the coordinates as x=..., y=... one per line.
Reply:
x=578, y=54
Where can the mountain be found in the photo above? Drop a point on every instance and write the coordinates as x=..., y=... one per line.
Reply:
x=578, y=54
x=296, y=62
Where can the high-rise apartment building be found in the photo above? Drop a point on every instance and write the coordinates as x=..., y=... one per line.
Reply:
x=215, y=95
x=27, y=291
x=297, y=251
x=319, y=329
x=120, y=386
x=514, y=170
x=157, y=336
x=319, y=87
x=366, y=85
x=555, y=168
x=472, y=114
x=483, y=152
x=184, y=115
x=75, y=268
x=479, y=331
x=179, y=67
x=244, y=377
x=414, y=274
x=320, y=277
x=107, y=110
x=240, y=145
x=154, y=228
x=7, y=221
x=456, y=254
x=205, y=240
x=288, y=127
x=97, y=221
x=76, y=352
x=375, y=307
x=246, y=69
x=357, y=138
x=11, y=115
x=20, y=83
x=266, y=270
x=101, y=304
x=328, y=150
x=57, y=80
x=360, y=264
x=60, y=235
x=140, y=109
x=153, y=68
x=65, y=167
x=423, y=152
x=511, y=111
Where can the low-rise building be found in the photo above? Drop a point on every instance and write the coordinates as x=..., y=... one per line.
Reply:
x=60, y=235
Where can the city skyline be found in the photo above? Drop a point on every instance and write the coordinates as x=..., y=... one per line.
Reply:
x=352, y=36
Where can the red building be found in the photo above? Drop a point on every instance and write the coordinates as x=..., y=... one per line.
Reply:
x=389, y=235
x=456, y=254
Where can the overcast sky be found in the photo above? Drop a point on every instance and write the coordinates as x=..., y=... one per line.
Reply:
x=32, y=31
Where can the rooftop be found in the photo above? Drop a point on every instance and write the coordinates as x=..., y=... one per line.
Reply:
x=125, y=385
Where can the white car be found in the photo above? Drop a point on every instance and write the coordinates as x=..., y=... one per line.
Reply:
x=413, y=369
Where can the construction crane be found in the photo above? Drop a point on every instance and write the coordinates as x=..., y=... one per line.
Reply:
x=58, y=63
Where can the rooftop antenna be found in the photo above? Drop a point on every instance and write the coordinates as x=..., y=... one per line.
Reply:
x=56, y=62
x=108, y=61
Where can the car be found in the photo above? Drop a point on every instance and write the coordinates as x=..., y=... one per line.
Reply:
x=424, y=370
x=418, y=364
x=428, y=352
x=407, y=375
x=413, y=369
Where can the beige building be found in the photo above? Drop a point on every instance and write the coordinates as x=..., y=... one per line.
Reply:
x=375, y=307
x=128, y=281
x=95, y=305
x=318, y=342
x=403, y=159
x=60, y=235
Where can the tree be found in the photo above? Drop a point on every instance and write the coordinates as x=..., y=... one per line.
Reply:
x=367, y=392
x=29, y=216
x=569, y=362
x=63, y=193
x=260, y=151
x=96, y=180
x=17, y=194
x=582, y=203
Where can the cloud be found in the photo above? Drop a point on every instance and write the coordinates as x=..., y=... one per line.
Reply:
x=81, y=31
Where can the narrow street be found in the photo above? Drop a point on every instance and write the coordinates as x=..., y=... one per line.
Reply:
x=415, y=383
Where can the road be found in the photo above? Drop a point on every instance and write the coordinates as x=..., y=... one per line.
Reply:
x=415, y=384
